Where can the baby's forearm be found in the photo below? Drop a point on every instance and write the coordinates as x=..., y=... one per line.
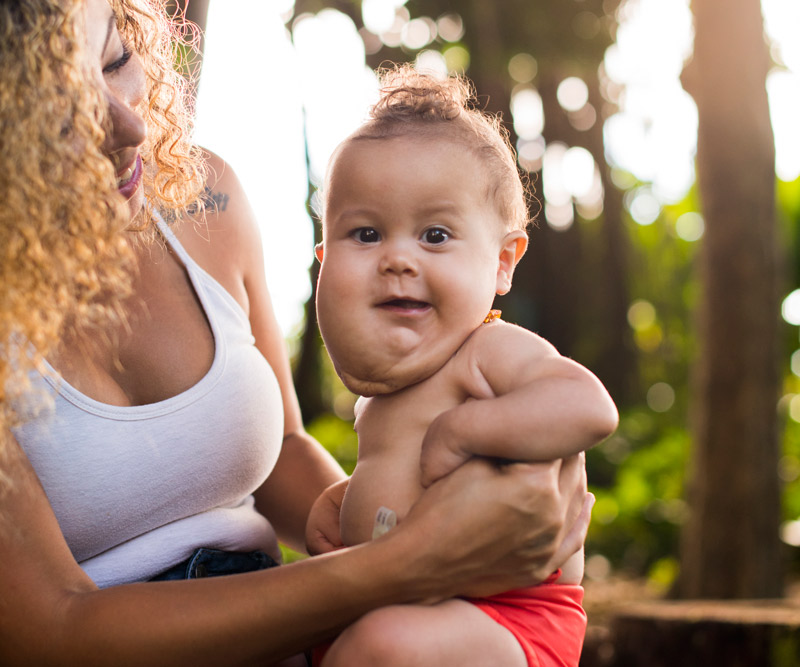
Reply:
x=549, y=421
x=546, y=420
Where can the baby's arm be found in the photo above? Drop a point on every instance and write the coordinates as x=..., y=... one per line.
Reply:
x=544, y=406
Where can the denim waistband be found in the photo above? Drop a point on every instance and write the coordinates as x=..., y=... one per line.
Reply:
x=216, y=563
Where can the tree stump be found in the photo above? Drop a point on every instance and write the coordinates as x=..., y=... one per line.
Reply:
x=741, y=633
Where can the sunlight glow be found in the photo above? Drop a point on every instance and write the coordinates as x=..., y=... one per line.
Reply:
x=451, y=27
x=578, y=171
x=457, y=59
x=379, y=15
x=261, y=140
x=690, y=226
x=795, y=363
x=559, y=216
x=783, y=88
x=572, y=93
x=558, y=209
x=523, y=68
x=553, y=182
x=418, y=33
x=781, y=20
x=432, y=62
x=641, y=315
x=790, y=308
x=643, y=206
x=528, y=112
x=655, y=133
x=790, y=533
x=530, y=153
x=334, y=105
x=660, y=397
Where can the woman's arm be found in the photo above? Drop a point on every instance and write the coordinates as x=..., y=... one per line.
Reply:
x=478, y=531
x=228, y=246
x=535, y=405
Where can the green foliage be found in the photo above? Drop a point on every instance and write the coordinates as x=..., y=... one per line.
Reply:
x=637, y=476
x=338, y=437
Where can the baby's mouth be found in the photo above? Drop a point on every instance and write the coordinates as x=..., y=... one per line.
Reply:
x=405, y=304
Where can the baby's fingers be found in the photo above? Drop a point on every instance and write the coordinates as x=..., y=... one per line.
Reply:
x=438, y=460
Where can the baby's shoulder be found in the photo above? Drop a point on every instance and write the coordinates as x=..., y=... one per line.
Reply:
x=500, y=347
x=503, y=335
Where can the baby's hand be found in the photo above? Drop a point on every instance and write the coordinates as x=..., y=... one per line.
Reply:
x=441, y=451
x=322, y=527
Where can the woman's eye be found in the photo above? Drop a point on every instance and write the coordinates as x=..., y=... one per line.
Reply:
x=120, y=62
x=435, y=236
x=366, y=235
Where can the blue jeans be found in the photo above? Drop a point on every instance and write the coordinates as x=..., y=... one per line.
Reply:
x=216, y=563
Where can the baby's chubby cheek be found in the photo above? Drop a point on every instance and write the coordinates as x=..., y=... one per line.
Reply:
x=365, y=364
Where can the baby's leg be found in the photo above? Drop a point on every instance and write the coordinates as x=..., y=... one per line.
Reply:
x=453, y=632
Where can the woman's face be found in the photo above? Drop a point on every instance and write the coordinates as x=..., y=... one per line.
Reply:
x=121, y=78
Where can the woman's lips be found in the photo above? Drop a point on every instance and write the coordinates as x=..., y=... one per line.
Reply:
x=128, y=181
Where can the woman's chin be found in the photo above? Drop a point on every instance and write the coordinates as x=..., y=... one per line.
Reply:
x=135, y=203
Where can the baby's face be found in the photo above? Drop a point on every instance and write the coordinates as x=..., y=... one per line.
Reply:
x=411, y=259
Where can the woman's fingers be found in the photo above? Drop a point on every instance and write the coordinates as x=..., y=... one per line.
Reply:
x=502, y=527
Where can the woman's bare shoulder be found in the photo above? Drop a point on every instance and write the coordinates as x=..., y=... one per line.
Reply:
x=224, y=238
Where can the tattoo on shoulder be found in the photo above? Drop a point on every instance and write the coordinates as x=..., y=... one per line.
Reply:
x=214, y=199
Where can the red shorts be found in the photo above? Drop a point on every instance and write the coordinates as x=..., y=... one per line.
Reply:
x=547, y=620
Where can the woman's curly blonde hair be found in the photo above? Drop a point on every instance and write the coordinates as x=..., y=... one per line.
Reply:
x=415, y=103
x=175, y=175
x=64, y=262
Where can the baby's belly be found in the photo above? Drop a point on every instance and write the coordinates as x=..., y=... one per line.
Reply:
x=572, y=570
x=376, y=484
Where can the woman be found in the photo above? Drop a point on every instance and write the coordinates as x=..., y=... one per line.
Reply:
x=167, y=396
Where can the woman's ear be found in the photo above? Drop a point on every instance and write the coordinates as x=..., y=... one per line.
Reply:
x=319, y=250
x=511, y=251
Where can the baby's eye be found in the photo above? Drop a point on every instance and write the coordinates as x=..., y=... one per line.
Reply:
x=366, y=235
x=435, y=236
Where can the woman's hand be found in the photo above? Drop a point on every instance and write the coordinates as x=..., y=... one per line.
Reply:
x=491, y=529
x=322, y=529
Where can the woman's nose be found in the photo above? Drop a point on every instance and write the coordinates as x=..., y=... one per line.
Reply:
x=127, y=128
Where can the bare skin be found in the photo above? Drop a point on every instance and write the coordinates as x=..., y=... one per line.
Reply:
x=536, y=519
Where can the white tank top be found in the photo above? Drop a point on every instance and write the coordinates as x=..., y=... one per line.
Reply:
x=137, y=489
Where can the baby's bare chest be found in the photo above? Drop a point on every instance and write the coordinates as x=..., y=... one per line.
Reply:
x=391, y=430
x=396, y=424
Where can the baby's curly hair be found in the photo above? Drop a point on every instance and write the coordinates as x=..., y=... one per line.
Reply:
x=64, y=264
x=414, y=103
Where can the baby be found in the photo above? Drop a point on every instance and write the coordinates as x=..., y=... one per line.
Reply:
x=424, y=222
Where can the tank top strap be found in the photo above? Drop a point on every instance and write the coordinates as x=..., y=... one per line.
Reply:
x=174, y=243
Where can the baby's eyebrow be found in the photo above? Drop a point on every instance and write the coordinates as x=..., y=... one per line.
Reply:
x=355, y=212
x=439, y=208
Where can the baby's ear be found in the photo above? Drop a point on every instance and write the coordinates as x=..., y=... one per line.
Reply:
x=511, y=251
x=319, y=250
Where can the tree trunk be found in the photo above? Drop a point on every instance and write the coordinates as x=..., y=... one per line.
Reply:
x=308, y=375
x=730, y=546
